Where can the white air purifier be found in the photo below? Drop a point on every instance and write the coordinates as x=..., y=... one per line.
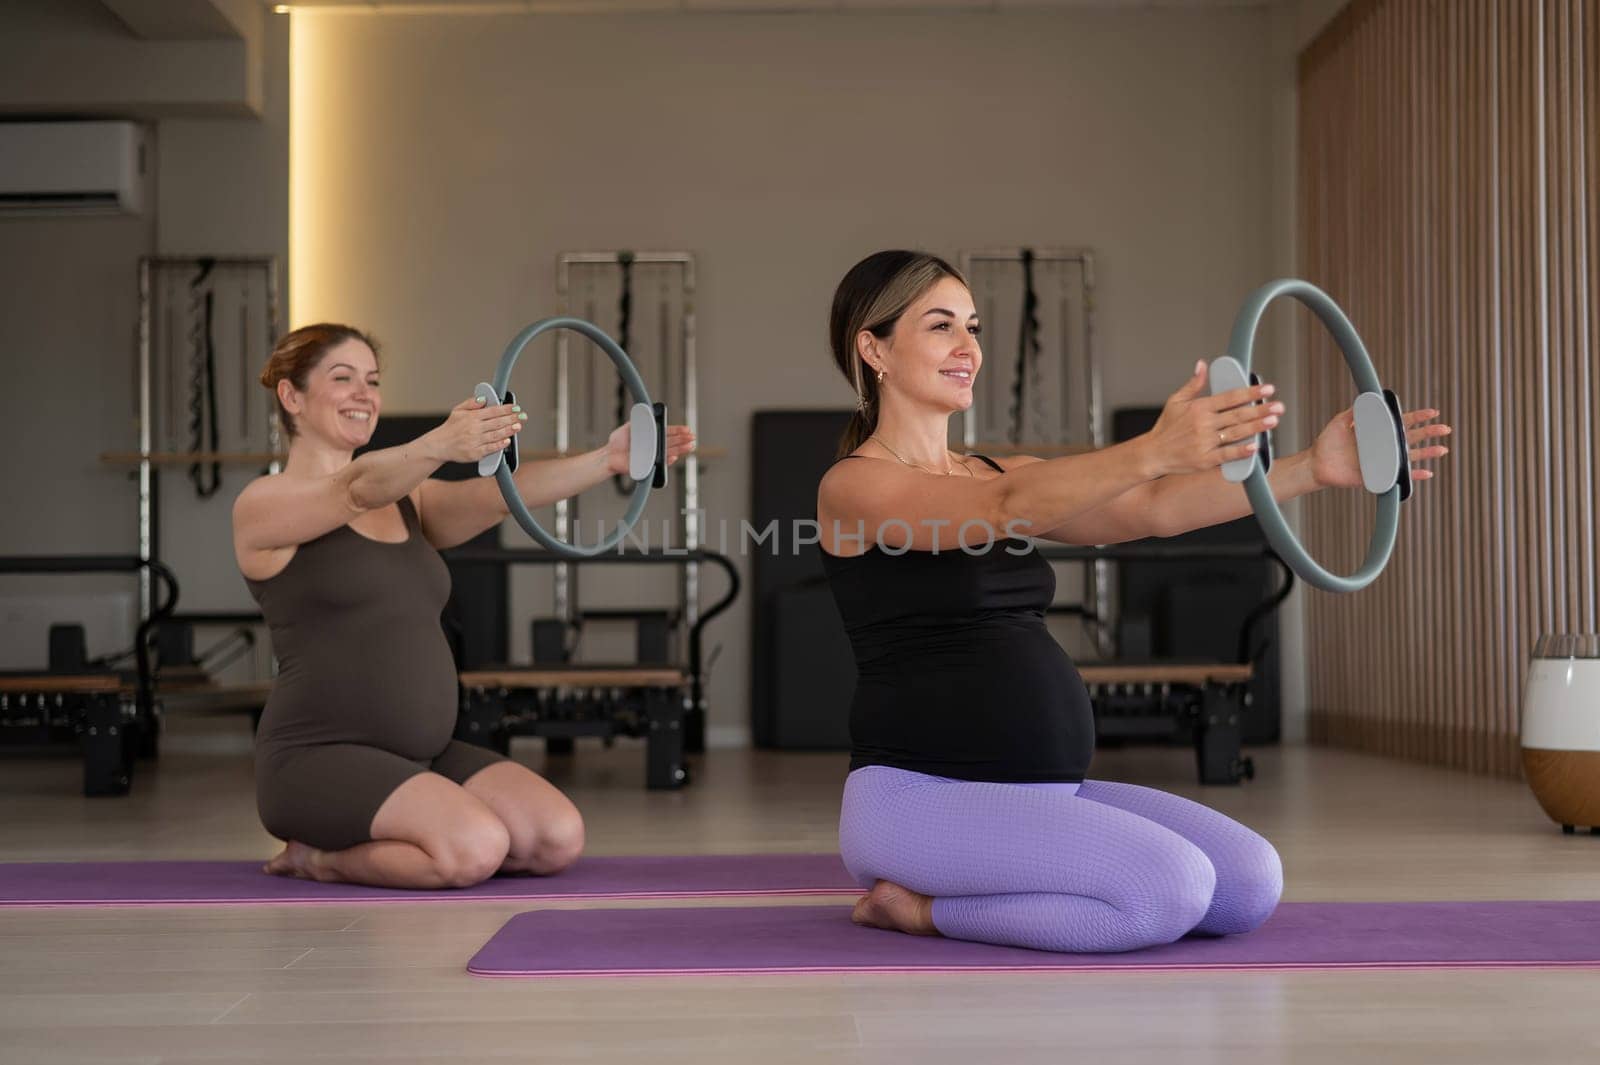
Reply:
x=1561, y=729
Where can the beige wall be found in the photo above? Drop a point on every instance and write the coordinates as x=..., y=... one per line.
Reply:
x=224, y=190
x=444, y=162
x=69, y=304
x=67, y=313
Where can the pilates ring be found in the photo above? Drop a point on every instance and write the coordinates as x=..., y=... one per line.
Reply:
x=1380, y=437
x=647, y=438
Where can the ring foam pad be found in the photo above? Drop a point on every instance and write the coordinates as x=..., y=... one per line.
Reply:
x=1225, y=376
x=490, y=462
x=641, y=441
x=510, y=450
x=1376, y=447
x=659, y=479
x=1263, y=438
x=1398, y=413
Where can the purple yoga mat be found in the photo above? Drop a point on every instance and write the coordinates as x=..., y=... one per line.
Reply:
x=821, y=939
x=649, y=877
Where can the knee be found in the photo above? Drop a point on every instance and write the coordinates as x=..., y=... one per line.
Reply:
x=561, y=840
x=1179, y=885
x=1249, y=886
x=474, y=853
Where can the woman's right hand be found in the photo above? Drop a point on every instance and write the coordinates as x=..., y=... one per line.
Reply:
x=473, y=430
x=1198, y=432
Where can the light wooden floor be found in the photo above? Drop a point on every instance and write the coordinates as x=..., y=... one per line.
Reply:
x=387, y=983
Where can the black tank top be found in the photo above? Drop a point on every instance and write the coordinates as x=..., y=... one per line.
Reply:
x=361, y=653
x=957, y=675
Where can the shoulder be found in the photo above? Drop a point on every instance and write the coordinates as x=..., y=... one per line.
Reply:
x=856, y=483
x=854, y=470
x=261, y=490
x=849, y=467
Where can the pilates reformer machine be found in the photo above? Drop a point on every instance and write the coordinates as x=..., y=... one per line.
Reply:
x=653, y=697
x=1176, y=698
x=646, y=301
x=109, y=714
x=653, y=296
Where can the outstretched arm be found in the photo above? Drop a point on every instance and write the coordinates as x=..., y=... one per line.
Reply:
x=897, y=506
x=1184, y=502
x=1179, y=503
x=453, y=512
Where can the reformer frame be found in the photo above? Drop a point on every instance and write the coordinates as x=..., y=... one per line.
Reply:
x=148, y=459
x=662, y=704
x=112, y=722
x=1158, y=699
x=566, y=590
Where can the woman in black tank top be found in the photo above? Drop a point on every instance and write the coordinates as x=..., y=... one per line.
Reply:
x=967, y=812
x=356, y=769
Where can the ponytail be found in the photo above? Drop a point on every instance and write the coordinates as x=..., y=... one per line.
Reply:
x=863, y=423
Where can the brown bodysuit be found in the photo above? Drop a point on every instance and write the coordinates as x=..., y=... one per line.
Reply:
x=365, y=696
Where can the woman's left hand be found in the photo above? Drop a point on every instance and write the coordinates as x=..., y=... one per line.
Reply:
x=680, y=441
x=1335, y=463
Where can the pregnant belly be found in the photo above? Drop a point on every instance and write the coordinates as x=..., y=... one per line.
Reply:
x=1014, y=699
x=408, y=708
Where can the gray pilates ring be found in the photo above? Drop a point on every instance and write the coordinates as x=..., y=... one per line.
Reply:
x=642, y=452
x=1380, y=437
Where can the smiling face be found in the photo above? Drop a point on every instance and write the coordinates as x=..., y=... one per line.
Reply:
x=932, y=357
x=340, y=402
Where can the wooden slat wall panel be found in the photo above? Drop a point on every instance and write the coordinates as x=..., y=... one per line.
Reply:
x=1449, y=160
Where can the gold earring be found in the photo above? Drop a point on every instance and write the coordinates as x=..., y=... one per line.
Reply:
x=880, y=377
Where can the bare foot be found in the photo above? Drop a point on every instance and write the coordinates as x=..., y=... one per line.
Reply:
x=296, y=859
x=895, y=908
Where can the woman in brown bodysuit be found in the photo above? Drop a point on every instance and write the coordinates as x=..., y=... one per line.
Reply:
x=355, y=766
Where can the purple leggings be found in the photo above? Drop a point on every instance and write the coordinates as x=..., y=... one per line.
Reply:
x=1085, y=867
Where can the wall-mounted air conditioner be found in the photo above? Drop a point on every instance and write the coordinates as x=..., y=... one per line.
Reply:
x=71, y=168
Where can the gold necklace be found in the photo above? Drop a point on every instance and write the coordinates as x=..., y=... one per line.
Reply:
x=917, y=465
